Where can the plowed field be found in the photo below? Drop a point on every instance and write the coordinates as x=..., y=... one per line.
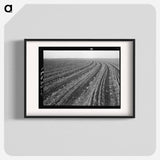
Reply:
x=81, y=82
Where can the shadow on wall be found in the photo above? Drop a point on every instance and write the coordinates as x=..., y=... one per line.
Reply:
x=14, y=80
x=18, y=50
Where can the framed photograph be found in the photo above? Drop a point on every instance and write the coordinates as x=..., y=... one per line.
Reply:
x=80, y=78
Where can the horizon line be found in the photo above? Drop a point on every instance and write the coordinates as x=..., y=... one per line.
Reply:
x=80, y=58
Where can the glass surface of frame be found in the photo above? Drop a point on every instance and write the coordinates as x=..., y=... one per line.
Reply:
x=79, y=78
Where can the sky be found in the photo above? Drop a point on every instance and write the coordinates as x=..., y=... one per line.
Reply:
x=80, y=54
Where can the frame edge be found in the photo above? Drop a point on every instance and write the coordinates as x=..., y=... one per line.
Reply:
x=25, y=75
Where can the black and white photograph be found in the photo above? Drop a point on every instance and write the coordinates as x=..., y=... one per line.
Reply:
x=80, y=77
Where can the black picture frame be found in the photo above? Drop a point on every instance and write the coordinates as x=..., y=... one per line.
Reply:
x=25, y=76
